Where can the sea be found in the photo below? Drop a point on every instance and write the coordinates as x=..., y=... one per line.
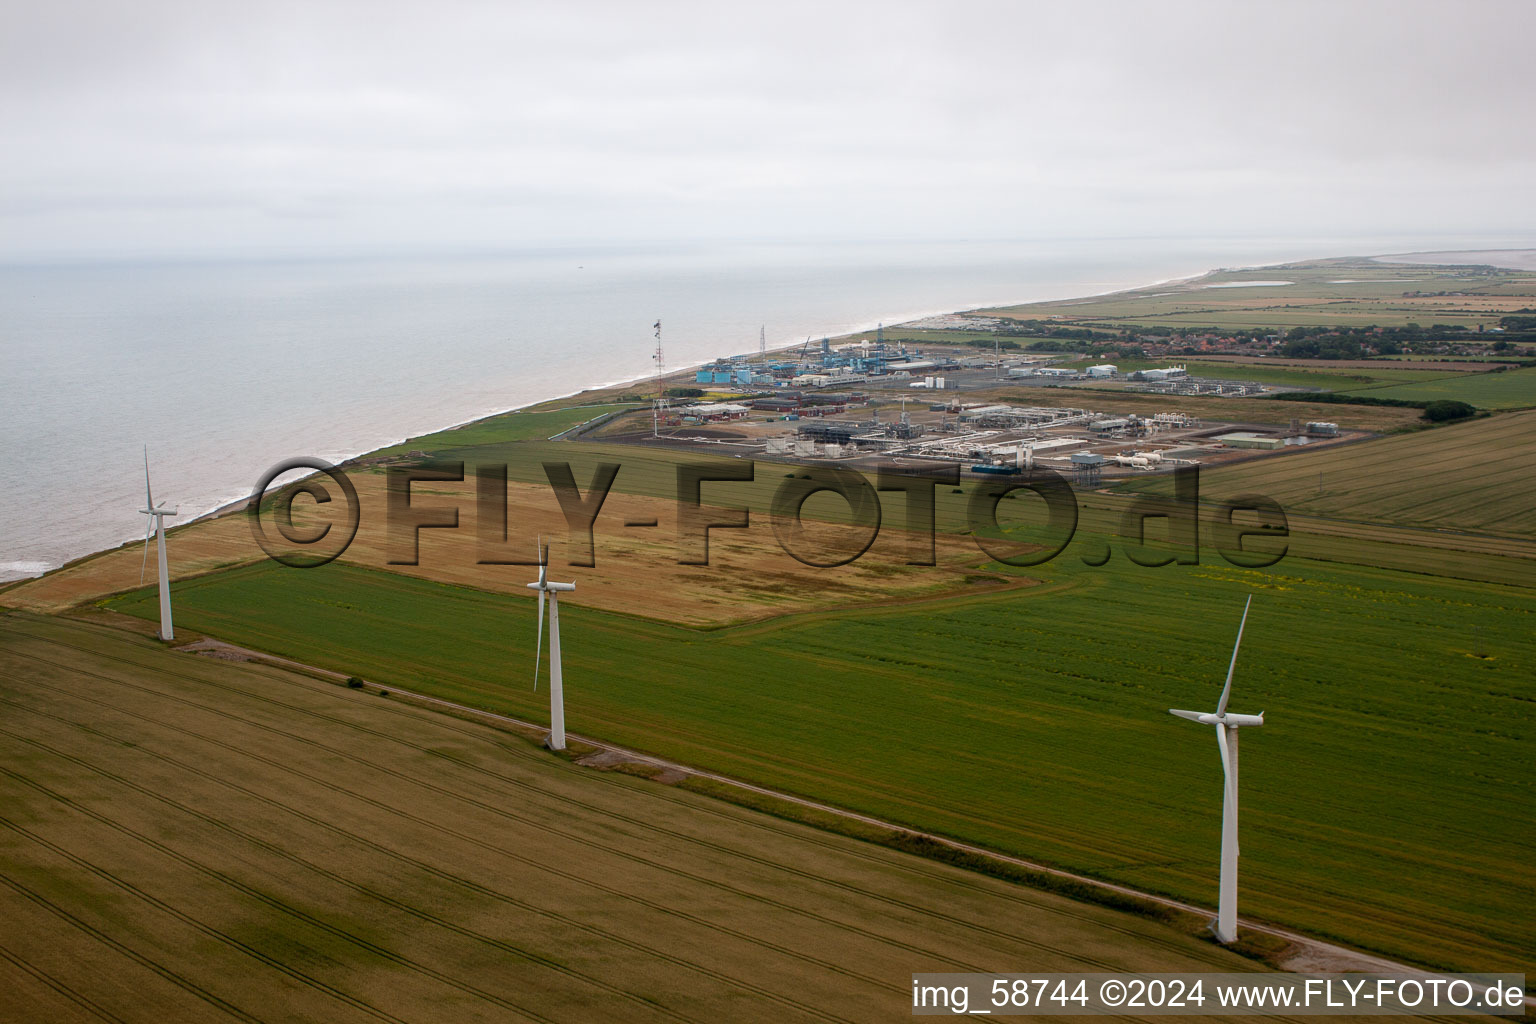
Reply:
x=223, y=367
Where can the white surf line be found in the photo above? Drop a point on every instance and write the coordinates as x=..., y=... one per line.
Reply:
x=1341, y=958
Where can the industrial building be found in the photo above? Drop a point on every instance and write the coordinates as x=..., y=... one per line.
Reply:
x=1160, y=373
x=714, y=412
x=1116, y=425
x=1248, y=439
x=829, y=432
x=735, y=374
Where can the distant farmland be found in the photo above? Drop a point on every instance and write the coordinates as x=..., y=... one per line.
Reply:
x=1510, y=389
x=186, y=839
x=1036, y=721
x=1473, y=476
x=1350, y=292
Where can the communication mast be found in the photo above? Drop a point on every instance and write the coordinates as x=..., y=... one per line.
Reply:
x=659, y=409
x=762, y=343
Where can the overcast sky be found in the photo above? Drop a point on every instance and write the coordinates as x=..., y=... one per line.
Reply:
x=164, y=126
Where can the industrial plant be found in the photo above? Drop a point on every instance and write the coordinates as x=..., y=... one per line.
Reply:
x=855, y=402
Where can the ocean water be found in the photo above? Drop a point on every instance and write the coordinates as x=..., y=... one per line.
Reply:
x=223, y=368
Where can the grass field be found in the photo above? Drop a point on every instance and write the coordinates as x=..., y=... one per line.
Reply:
x=536, y=424
x=189, y=839
x=1510, y=389
x=1043, y=720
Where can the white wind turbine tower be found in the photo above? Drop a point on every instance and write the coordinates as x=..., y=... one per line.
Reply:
x=156, y=526
x=1227, y=724
x=556, y=689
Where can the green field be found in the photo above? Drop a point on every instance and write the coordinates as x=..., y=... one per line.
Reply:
x=532, y=425
x=190, y=839
x=1509, y=389
x=1387, y=803
x=1464, y=476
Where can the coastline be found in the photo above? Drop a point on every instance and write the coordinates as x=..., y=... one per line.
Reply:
x=239, y=501
x=224, y=506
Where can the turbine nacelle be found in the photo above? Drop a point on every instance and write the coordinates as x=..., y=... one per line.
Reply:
x=157, y=511
x=1230, y=719
x=549, y=585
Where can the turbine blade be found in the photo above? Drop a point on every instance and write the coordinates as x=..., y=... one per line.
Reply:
x=1226, y=755
x=145, y=564
x=538, y=647
x=149, y=498
x=1229, y=784
x=543, y=556
x=1226, y=691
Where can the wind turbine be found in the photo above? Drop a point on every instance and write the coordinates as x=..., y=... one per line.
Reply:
x=156, y=526
x=556, y=690
x=1227, y=723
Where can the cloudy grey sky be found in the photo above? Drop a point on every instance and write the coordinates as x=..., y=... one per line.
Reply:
x=162, y=126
